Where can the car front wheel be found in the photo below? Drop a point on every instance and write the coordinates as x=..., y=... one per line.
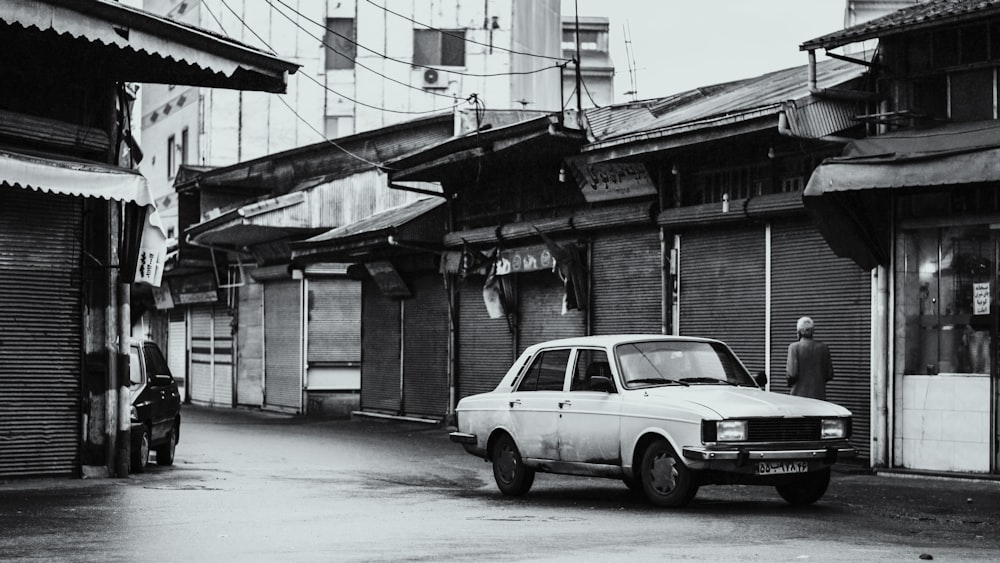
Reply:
x=512, y=476
x=805, y=489
x=140, y=455
x=665, y=479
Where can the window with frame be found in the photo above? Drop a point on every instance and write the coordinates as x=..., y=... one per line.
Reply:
x=439, y=47
x=547, y=372
x=171, y=157
x=341, y=43
x=589, y=363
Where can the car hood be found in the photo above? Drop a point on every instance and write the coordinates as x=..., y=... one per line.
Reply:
x=739, y=402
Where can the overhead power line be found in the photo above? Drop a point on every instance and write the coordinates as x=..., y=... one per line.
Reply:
x=401, y=61
x=463, y=38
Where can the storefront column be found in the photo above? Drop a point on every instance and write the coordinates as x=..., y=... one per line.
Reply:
x=881, y=382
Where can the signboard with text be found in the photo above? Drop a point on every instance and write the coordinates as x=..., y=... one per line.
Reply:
x=603, y=181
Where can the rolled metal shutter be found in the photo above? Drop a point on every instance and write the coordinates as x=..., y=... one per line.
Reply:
x=222, y=351
x=485, y=345
x=808, y=279
x=334, y=321
x=177, y=346
x=202, y=355
x=722, y=290
x=626, y=283
x=40, y=333
x=540, y=301
x=425, y=348
x=380, y=350
x=283, y=345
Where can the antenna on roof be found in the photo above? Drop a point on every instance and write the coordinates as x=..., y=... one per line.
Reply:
x=630, y=57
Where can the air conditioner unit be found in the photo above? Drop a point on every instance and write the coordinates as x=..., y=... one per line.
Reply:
x=435, y=79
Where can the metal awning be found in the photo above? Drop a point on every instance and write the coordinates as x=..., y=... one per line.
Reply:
x=238, y=229
x=143, y=47
x=846, y=194
x=80, y=178
x=416, y=226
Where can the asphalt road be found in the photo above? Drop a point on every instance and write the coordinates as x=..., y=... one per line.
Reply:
x=252, y=486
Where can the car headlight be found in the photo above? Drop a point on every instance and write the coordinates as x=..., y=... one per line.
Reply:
x=731, y=430
x=833, y=428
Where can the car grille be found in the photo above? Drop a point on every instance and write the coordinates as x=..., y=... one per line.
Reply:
x=783, y=430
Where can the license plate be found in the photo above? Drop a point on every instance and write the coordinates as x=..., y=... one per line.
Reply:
x=780, y=467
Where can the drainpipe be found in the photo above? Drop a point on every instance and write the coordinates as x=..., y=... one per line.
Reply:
x=880, y=441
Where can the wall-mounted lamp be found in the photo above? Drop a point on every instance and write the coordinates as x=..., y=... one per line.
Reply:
x=725, y=203
x=770, y=152
x=674, y=171
x=562, y=175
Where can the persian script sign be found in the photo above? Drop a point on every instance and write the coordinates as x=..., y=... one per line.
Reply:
x=604, y=181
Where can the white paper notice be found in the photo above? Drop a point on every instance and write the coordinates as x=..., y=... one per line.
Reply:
x=981, y=298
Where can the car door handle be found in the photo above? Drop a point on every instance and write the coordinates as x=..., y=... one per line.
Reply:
x=515, y=402
x=565, y=403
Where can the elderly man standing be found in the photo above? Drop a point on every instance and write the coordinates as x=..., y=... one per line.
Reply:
x=809, y=364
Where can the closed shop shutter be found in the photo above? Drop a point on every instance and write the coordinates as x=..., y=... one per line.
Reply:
x=626, y=283
x=540, y=301
x=722, y=290
x=334, y=321
x=222, y=342
x=40, y=333
x=380, y=340
x=202, y=355
x=250, y=346
x=807, y=279
x=425, y=350
x=283, y=345
x=177, y=346
x=485, y=345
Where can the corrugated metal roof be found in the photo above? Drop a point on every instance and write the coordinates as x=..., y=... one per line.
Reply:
x=926, y=14
x=382, y=221
x=150, y=48
x=728, y=103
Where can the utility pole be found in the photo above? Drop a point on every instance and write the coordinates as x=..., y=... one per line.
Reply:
x=579, y=77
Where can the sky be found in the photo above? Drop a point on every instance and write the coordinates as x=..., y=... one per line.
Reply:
x=682, y=44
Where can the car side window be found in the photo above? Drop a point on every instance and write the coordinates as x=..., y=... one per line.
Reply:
x=547, y=372
x=590, y=363
x=155, y=364
x=135, y=370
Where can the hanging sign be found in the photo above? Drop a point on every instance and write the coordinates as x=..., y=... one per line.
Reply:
x=387, y=279
x=981, y=298
x=602, y=181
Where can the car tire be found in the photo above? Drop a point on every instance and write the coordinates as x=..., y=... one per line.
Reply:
x=140, y=455
x=666, y=481
x=512, y=476
x=165, y=453
x=805, y=489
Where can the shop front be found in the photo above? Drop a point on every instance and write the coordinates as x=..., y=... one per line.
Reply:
x=921, y=207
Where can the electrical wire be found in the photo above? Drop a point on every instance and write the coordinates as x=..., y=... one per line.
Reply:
x=587, y=90
x=325, y=87
x=356, y=62
x=443, y=32
x=409, y=63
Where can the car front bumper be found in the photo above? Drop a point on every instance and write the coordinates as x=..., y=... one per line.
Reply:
x=745, y=455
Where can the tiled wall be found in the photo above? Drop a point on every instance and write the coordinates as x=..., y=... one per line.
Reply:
x=945, y=423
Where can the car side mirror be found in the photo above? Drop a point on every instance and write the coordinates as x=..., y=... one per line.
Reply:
x=602, y=384
x=761, y=379
x=162, y=379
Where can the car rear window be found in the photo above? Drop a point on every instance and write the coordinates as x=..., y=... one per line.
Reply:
x=547, y=372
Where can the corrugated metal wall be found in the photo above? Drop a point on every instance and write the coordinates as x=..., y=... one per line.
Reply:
x=202, y=354
x=283, y=345
x=485, y=345
x=807, y=279
x=40, y=333
x=626, y=283
x=380, y=340
x=177, y=345
x=222, y=383
x=722, y=290
x=425, y=339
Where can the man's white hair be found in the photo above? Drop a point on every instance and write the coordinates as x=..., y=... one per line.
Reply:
x=804, y=326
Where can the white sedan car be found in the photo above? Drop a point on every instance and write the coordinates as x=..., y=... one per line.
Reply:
x=665, y=414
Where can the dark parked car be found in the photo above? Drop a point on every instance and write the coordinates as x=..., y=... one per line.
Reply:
x=156, y=406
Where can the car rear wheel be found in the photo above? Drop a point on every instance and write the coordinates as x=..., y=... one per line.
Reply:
x=140, y=455
x=805, y=489
x=512, y=476
x=665, y=479
x=165, y=453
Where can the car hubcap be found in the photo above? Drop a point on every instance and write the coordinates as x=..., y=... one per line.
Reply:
x=663, y=474
x=507, y=464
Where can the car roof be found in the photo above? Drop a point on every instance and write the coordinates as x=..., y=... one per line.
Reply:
x=609, y=340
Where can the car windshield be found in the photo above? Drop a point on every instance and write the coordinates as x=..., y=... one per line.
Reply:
x=660, y=362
